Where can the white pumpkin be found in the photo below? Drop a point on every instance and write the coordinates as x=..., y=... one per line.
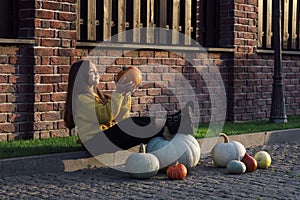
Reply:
x=182, y=148
x=142, y=165
x=222, y=153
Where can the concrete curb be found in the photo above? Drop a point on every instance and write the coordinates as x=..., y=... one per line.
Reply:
x=68, y=162
x=257, y=139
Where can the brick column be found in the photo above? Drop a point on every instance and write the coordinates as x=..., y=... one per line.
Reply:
x=55, y=37
x=16, y=90
x=244, y=73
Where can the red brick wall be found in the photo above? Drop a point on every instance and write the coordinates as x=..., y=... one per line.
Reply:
x=33, y=78
x=158, y=67
x=16, y=92
x=55, y=34
x=291, y=83
x=16, y=81
x=251, y=85
x=244, y=72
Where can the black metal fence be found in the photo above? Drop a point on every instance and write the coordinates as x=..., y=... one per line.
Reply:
x=290, y=24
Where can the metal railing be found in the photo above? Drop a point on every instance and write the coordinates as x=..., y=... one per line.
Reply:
x=290, y=24
x=99, y=20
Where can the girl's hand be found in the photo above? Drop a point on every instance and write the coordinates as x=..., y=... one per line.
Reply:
x=125, y=88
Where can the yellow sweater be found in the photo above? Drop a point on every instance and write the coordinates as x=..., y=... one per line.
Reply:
x=91, y=113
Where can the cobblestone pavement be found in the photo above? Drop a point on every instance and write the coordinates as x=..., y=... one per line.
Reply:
x=280, y=181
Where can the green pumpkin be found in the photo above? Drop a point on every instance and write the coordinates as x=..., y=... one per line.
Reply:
x=236, y=167
x=142, y=165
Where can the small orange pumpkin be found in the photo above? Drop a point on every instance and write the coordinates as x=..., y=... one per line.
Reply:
x=131, y=73
x=177, y=171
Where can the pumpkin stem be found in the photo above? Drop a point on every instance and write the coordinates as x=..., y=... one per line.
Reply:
x=226, y=139
x=142, y=148
x=124, y=68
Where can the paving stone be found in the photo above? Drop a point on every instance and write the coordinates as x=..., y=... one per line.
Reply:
x=280, y=181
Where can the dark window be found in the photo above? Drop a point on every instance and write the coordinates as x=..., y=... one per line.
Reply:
x=8, y=19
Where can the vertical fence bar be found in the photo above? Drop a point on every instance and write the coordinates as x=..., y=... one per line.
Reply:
x=294, y=24
x=269, y=24
x=163, y=13
x=188, y=21
x=202, y=29
x=78, y=19
x=121, y=20
x=285, y=24
x=163, y=21
x=197, y=24
x=150, y=21
x=298, y=23
x=260, y=22
x=175, y=23
x=107, y=20
x=91, y=20
x=136, y=20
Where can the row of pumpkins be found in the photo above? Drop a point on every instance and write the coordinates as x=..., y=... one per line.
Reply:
x=173, y=155
x=233, y=156
x=177, y=155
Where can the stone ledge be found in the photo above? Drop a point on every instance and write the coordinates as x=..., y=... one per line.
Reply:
x=17, y=41
x=154, y=46
x=284, y=52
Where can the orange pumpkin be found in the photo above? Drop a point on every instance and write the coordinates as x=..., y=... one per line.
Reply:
x=177, y=171
x=132, y=74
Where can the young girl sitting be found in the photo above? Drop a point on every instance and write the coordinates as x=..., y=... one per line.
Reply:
x=103, y=122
